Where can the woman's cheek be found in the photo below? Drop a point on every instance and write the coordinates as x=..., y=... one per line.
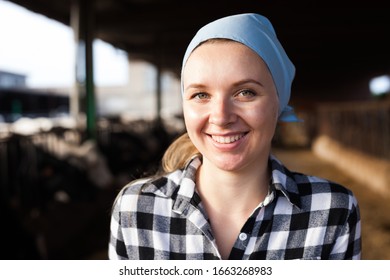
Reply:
x=194, y=112
x=191, y=117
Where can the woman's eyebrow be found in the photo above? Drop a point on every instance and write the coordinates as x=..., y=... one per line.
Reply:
x=247, y=81
x=238, y=83
x=196, y=86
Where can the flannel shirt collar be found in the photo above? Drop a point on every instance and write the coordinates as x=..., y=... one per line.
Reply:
x=180, y=184
x=283, y=180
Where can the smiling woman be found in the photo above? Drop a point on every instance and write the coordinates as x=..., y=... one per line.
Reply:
x=225, y=196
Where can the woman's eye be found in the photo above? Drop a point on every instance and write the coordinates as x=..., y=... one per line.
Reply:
x=200, y=95
x=246, y=93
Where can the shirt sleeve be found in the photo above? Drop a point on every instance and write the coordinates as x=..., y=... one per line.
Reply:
x=348, y=243
x=117, y=248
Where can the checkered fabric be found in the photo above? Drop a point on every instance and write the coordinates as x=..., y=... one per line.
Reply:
x=303, y=217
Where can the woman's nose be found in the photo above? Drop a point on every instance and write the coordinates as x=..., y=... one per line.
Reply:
x=222, y=112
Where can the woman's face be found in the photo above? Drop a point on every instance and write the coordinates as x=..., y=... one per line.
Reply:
x=230, y=105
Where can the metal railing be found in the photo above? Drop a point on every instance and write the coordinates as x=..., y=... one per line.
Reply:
x=364, y=126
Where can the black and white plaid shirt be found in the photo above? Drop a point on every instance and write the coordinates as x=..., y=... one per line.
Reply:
x=303, y=217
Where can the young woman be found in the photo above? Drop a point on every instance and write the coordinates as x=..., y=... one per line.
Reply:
x=223, y=195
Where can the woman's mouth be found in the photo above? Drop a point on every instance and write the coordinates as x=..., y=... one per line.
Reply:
x=227, y=139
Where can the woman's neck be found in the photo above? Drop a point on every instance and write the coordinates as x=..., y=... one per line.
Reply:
x=244, y=189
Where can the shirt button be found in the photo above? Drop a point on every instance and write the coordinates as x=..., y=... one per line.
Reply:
x=243, y=236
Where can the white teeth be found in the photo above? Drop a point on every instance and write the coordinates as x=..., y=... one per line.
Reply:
x=227, y=139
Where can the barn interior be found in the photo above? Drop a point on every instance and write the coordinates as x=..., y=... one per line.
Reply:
x=58, y=182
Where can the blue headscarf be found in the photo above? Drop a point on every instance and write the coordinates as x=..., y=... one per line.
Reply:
x=256, y=32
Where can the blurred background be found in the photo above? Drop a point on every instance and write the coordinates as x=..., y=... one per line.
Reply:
x=90, y=99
